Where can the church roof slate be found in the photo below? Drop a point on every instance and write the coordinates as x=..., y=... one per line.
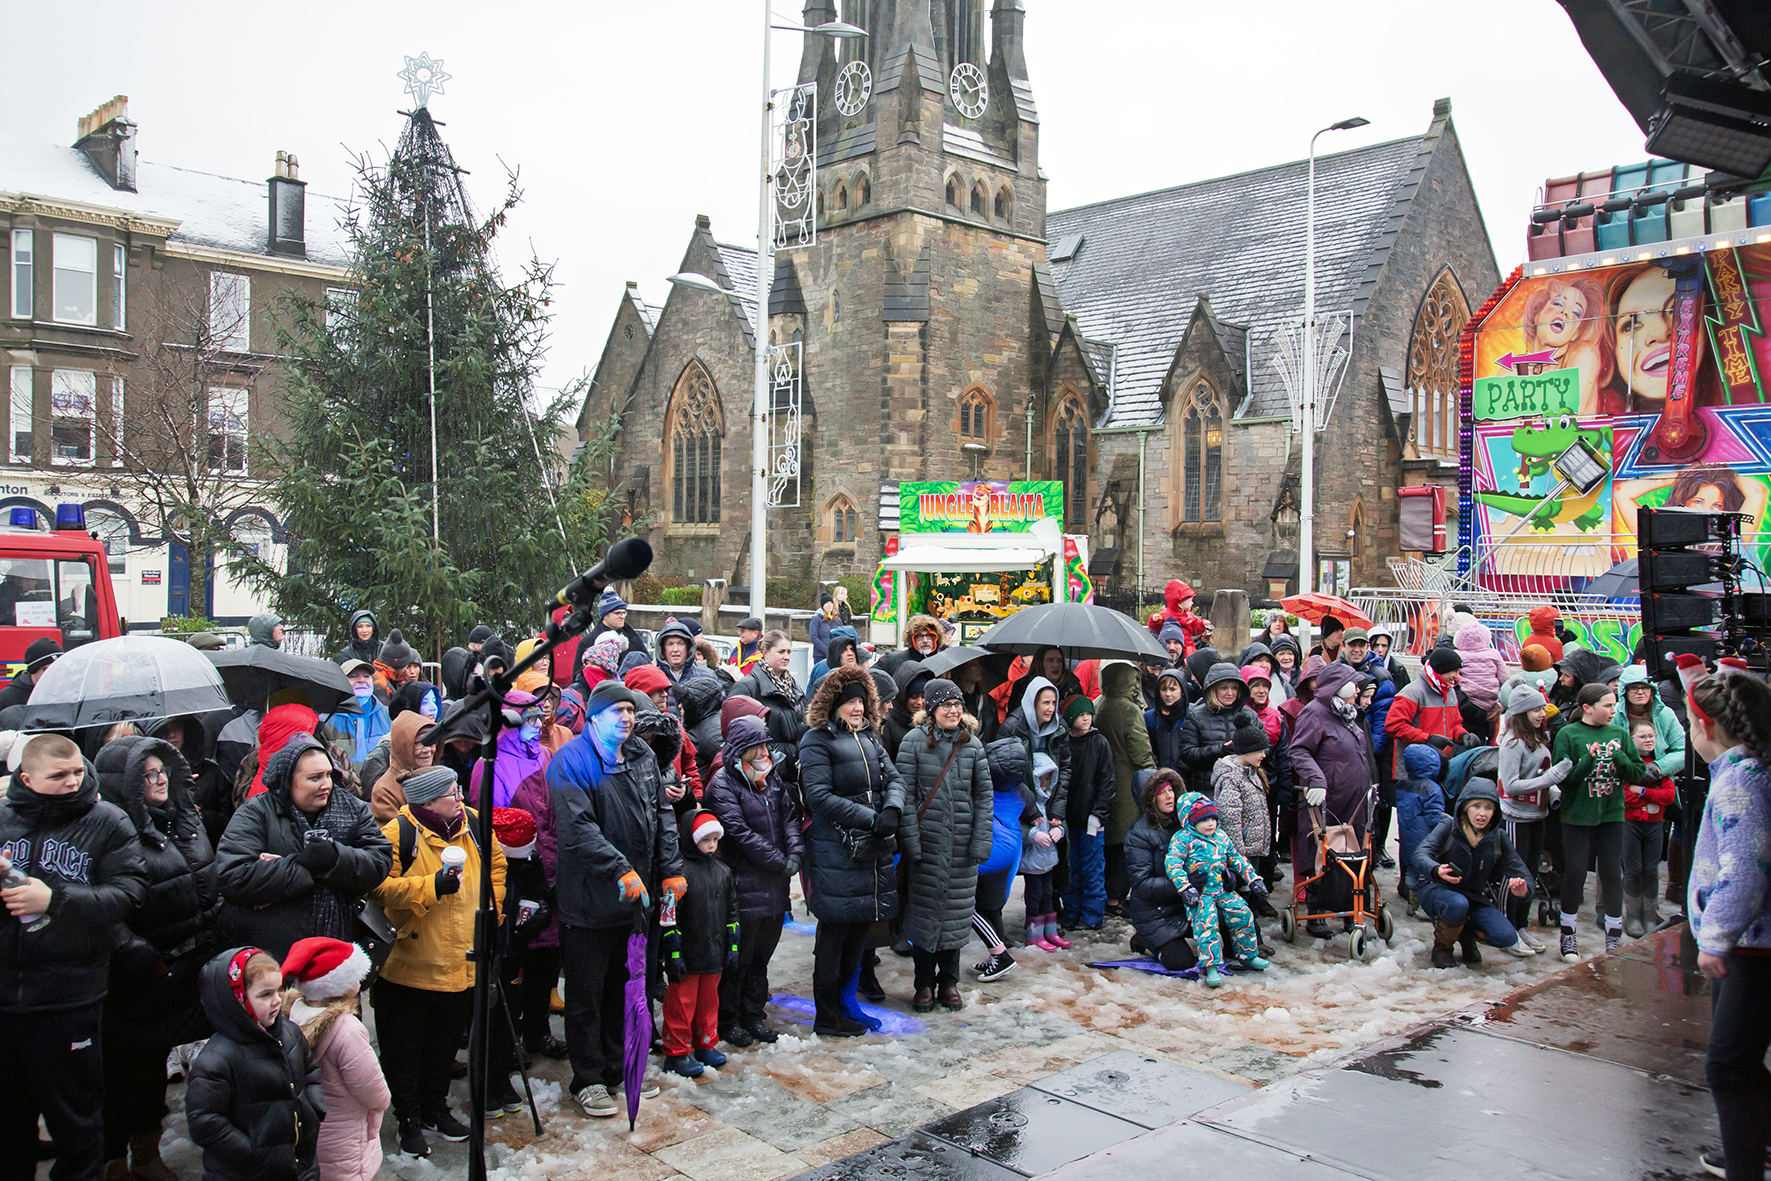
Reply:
x=1147, y=258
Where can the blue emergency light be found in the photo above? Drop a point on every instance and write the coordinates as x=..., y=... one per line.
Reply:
x=24, y=518
x=70, y=516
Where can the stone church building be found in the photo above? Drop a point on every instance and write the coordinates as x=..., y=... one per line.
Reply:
x=952, y=325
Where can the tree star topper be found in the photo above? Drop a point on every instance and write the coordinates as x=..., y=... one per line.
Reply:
x=423, y=77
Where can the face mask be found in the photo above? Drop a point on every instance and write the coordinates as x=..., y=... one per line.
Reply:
x=363, y=692
x=530, y=731
x=759, y=770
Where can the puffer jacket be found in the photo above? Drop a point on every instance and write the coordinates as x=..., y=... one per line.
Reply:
x=1164, y=724
x=1484, y=866
x=351, y=1081
x=609, y=820
x=434, y=933
x=534, y=798
x=1484, y=670
x=1021, y=726
x=700, y=699
x=1205, y=737
x=847, y=780
x=175, y=925
x=951, y=838
x=1377, y=714
x=1119, y=716
x=1090, y=790
x=211, y=793
x=763, y=833
x=1153, y=907
x=1240, y=796
x=1669, y=736
x=88, y=853
x=1420, y=713
x=1013, y=805
x=899, y=720
x=254, y=1101
x=1329, y=752
x=272, y=902
x=707, y=916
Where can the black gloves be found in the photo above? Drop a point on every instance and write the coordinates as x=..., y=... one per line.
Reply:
x=673, y=954
x=1468, y=741
x=1439, y=742
x=792, y=866
x=885, y=821
x=1197, y=879
x=318, y=856
x=447, y=883
x=1190, y=897
x=1258, y=887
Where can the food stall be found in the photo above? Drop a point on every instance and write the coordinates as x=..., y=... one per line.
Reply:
x=975, y=553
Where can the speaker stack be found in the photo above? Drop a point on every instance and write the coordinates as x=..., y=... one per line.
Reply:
x=1688, y=565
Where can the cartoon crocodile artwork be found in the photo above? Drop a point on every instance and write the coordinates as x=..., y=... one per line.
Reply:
x=1537, y=448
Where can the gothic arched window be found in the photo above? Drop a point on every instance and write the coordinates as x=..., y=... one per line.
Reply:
x=696, y=430
x=863, y=190
x=1070, y=458
x=841, y=520
x=953, y=190
x=977, y=416
x=842, y=196
x=1202, y=456
x=1432, y=366
x=980, y=202
x=1002, y=204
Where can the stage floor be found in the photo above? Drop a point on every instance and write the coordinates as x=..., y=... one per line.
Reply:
x=1596, y=1071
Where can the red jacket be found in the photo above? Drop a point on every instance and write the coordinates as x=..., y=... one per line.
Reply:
x=1648, y=801
x=1420, y=712
x=1543, y=630
x=1176, y=593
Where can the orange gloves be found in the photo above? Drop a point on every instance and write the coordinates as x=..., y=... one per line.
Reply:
x=677, y=887
x=634, y=890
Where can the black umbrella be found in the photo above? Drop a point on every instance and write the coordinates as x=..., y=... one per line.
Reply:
x=126, y=679
x=1619, y=582
x=252, y=674
x=948, y=659
x=1082, y=631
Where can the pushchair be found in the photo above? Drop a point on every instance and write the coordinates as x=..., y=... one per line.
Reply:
x=1343, y=885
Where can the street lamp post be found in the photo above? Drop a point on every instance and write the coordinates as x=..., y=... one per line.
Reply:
x=765, y=273
x=1307, y=507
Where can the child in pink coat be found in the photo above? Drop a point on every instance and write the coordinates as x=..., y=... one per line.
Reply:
x=327, y=975
x=1484, y=671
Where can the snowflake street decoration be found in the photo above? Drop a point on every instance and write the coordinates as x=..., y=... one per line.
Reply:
x=423, y=78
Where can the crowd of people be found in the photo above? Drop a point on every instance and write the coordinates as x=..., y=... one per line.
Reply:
x=224, y=877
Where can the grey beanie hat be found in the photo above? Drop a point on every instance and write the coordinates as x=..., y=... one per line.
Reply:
x=938, y=691
x=1525, y=698
x=429, y=785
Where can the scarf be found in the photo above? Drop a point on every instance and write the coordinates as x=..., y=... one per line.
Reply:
x=1346, y=709
x=785, y=684
x=1435, y=682
x=447, y=829
x=330, y=911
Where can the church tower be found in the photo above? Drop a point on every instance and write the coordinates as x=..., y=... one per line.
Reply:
x=926, y=307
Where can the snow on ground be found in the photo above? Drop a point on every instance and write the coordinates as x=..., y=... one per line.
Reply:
x=774, y=1111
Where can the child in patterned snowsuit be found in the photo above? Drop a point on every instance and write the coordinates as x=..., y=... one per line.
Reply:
x=1206, y=868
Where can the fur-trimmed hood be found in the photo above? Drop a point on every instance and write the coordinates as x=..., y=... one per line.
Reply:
x=823, y=702
x=967, y=723
x=662, y=732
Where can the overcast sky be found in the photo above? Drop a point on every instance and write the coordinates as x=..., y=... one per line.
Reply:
x=628, y=119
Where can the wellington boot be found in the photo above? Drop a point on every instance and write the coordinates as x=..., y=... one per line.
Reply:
x=144, y=1159
x=1445, y=938
x=1651, y=911
x=1632, y=916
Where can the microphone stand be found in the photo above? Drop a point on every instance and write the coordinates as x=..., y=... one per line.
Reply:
x=582, y=594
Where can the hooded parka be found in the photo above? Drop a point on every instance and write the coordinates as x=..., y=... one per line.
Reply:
x=763, y=834
x=1119, y=716
x=433, y=935
x=1206, y=734
x=847, y=781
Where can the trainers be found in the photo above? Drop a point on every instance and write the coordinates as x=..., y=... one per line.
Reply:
x=649, y=1088
x=1613, y=939
x=1520, y=948
x=502, y=1098
x=1530, y=940
x=413, y=1145
x=597, y=1101
x=762, y=1033
x=1570, y=946
x=737, y=1037
x=1717, y=1166
x=996, y=967
x=444, y=1124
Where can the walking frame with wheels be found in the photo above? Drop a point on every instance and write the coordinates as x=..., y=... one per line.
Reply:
x=1340, y=852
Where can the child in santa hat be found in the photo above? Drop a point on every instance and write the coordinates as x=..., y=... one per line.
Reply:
x=701, y=944
x=325, y=976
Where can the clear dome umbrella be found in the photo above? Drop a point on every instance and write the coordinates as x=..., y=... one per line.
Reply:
x=127, y=679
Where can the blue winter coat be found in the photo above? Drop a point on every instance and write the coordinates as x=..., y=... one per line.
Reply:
x=1165, y=735
x=365, y=729
x=1006, y=809
x=1379, y=711
x=1420, y=804
x=819, y=631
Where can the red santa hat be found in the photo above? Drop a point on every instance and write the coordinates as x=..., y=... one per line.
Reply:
x=1691, y=670
x=516, y=831
x=706, y=825
x=323, y=969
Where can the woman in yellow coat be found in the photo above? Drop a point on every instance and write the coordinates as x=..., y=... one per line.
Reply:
x=423, y=998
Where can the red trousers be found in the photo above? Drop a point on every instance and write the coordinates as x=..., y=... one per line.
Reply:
x=691, y=1005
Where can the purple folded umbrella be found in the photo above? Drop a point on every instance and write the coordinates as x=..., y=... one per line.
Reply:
x=638, y=1042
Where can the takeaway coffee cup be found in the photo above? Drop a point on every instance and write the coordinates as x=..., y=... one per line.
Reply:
x=453, y=859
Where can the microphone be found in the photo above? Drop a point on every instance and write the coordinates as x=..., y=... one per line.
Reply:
x=626, y=559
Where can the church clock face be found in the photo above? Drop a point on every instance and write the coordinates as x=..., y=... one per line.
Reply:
x=970, y=90
x=853, y=86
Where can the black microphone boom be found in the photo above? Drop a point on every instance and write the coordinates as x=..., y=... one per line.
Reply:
x=626, y=559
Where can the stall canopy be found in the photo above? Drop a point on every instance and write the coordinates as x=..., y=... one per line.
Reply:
x=954, y=553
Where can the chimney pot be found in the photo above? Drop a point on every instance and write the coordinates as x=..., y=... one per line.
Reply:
x=288, y=208
x=107, y=138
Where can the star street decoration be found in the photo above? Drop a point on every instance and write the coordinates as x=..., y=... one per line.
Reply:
x=423, y=77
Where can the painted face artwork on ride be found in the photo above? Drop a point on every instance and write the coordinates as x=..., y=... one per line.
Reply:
x=1598, y=392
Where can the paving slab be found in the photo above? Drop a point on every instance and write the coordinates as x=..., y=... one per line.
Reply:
x=916, y=1156
x=1141, y=1089
x=1032, y=1132
x=1189, y=1149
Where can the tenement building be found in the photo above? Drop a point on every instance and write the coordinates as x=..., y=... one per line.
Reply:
x=953, y=328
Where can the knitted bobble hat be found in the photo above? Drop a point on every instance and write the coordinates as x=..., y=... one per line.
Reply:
x=1075, y=707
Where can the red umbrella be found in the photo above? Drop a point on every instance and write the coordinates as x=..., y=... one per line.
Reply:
x=1316, y=606
x=638, y=1041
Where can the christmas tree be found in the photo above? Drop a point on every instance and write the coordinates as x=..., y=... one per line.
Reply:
x=434, y=517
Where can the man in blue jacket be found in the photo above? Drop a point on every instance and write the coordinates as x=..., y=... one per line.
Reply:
x=617, y=839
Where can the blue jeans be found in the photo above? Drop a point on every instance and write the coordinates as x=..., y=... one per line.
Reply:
x=1449, y=906
x=1085, y=899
